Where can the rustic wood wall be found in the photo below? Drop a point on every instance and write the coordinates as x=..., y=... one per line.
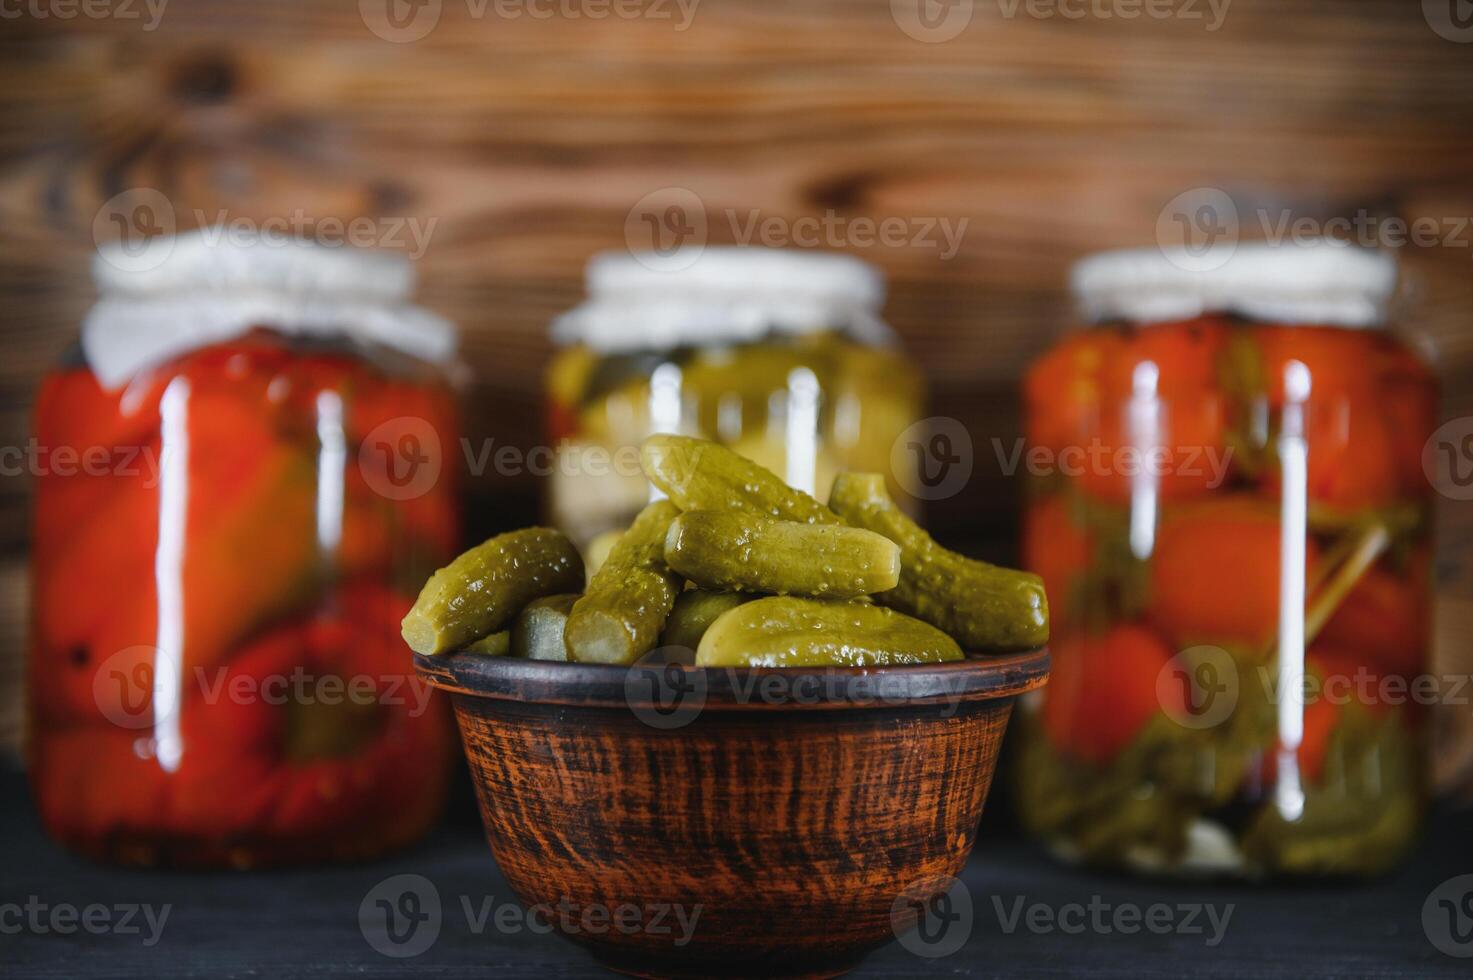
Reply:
x=528, y=139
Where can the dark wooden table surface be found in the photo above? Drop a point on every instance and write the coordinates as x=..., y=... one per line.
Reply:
x=306, y=923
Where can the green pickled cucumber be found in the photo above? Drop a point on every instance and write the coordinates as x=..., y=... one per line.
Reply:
x=786, y=631
x=497, y=644
x=479, y=592
x=538, y=631
x=598, y=550
x=694, y=612
x=620, y=617
x=737, y=550
x=701, y=475
x=984, y=607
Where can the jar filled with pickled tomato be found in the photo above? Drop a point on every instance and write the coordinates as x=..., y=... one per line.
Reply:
x=239, y=489
x=1232, y=523
x=780, y=354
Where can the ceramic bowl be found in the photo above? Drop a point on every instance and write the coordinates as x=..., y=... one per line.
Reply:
x=683, y=821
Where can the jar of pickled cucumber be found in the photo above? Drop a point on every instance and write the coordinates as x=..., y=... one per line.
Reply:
x=779, y=354
x=1232, y=523
x=238, y=489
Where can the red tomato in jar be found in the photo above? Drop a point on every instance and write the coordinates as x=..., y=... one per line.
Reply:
x=1383, y=620
x=1064, y=389
x=1358, y=453
x=1103, y=690
x=1215, y=573
x=1057, y=548
x=1163, y=411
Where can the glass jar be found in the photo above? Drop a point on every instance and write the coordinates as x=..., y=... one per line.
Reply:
x=239, y=489
x=780, y=354
x=1232, y=524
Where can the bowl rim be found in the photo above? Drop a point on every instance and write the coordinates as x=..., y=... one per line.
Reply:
x=976, y=677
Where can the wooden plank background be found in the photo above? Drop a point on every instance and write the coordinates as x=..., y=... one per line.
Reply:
x=529, y=139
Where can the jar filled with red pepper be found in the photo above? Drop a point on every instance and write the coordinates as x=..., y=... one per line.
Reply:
x=1229, y=511
x=239, y=487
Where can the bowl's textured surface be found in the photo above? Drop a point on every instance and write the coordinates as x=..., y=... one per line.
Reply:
x=786, y=815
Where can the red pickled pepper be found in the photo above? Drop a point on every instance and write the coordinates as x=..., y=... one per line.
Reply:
x=252, y=561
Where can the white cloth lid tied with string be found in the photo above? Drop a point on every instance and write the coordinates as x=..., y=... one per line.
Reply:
x=723, y=295
x=1324, y=282
x=173, y=294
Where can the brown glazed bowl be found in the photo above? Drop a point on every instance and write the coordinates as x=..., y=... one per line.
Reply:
x=684, y=821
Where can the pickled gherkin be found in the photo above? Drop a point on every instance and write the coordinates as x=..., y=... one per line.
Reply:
x=737, y=550
x=598, y=550
x=620, y=617
x=786, y=631
x=701, y=475
x=538, y=632
x=479, y=592
x=695, y=610
x=496, y=644
x=984, y=607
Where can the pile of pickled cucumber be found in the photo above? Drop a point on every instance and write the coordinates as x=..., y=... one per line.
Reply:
x=733, y=569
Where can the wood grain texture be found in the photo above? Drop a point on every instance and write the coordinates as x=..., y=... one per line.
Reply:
x=788, y=828
x=528, y=141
